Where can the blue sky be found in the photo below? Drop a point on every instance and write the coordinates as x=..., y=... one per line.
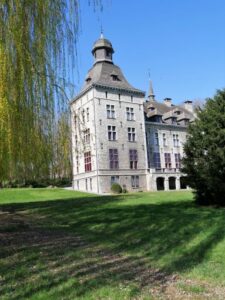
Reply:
x=182, y=42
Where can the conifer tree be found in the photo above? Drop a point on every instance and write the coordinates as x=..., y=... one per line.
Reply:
x=204, y=160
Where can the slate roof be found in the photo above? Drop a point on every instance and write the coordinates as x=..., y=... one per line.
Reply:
x=103, y=74
x=155, y=108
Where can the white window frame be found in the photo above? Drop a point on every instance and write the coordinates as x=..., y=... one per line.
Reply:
x=131, y=132
x=110, y=111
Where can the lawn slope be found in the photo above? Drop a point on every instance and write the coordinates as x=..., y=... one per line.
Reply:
x=58, y=244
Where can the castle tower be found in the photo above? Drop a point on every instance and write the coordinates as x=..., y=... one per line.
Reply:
x=108, y=130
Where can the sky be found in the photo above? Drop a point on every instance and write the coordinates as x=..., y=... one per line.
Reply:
x=180, y=42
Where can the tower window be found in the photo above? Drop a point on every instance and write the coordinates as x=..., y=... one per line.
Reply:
x=113, y=159
x=110, y=111
x=112, y=133
x=135, y=181
x=87, y=161
x=130, y=113
x=131, y=134
x=133, y=158
x=87, y=136
x=108, y=53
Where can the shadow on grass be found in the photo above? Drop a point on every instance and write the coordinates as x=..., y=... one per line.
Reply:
x=71, y=247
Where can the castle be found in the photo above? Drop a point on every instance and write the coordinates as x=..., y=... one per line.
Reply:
x=119, y=136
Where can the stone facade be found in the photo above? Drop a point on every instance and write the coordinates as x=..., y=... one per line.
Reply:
x=118, y=136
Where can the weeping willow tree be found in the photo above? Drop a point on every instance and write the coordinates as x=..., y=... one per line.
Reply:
x=37, y=45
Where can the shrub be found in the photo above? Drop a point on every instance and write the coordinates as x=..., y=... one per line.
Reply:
x=116, y=188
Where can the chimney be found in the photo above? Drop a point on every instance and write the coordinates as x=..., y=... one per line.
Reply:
x=168, y=102
x=188, y=105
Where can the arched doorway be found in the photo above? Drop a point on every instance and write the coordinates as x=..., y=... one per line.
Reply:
x=160, y=183
x=172, y=183
x=183, y=183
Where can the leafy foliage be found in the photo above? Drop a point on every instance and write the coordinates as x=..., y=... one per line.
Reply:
x=204, y=162
x=116, y=188
x=37, y=45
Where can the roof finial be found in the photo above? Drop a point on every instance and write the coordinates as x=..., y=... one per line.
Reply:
x=101, y=36
x=151, y=95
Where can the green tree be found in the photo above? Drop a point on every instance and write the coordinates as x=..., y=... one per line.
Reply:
x=37, y=45
x=204, y=160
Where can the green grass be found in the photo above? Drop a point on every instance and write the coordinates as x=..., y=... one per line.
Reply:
x=58, y=244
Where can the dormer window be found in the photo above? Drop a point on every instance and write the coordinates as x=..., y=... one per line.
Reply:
x=177, y=112
x=151, y=108
x=115, y=77
x=88, y=79
x=108, y=53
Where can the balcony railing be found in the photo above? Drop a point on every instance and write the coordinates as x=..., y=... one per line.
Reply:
x=165, y=170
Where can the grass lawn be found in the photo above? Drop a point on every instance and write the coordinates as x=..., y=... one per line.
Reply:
x=60, y=244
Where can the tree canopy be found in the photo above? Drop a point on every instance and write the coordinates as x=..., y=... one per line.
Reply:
x=204, y=160
x=37, y=44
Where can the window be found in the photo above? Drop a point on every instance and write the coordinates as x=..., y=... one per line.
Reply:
x=164, y=140
x=86, y=184
x=83, y=116
x=87, y=136
x=135, y=181
x=133, y=158
x=87, y=161
x=115, y=77
x=111, y=133
x=131, y=134
x=156, y=139
x=167, y=160
x=130, y=113
x=77, y=163
x=106, y=95
x=113, y=159
x=87, y=113
x=114, y=179
x=132, y=98
x=119, y=96
x=76, y=141
x=91, y=184
x=176, y=141
x=75, y=121
x=177, y=160
x=110, y=109
x=157, y=160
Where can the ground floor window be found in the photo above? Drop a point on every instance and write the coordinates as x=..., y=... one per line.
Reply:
x=172, y=183
x=114, y=179
x=135, y=181
x=91, y=184
x=78, y=184
x=160, y=183
x=86, y=184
